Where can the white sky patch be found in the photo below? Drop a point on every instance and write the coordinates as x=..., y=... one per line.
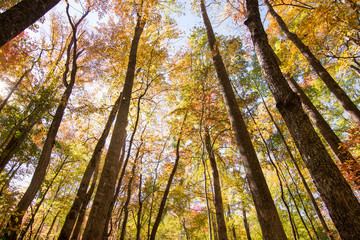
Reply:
x=4, y=89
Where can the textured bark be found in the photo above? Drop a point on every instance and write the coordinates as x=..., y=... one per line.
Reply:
x=308, y=191
x=323, y=127
x=117, y=191
x=266, y=211
x=333, y=86
x=94, y=227
x=219, y=207
x=338, y=197
x=21, y=16
x=88, y=174
x=167, y=188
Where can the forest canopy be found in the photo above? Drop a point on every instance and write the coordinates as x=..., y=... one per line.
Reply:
x=149, y=119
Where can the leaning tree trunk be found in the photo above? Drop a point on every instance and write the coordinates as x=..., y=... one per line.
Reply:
x=167, y=188
x=333, y=86
x=45, y=156
x=266, y=211
x=106, y=187
x=323, y=127
x=343, y=206
x=219, y=207
x=88, y=174
x=21, y=16
x=303, y=180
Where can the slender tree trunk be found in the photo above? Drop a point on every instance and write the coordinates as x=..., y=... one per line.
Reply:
x=138, y=223
x=45, y=156
x=2, y=105
x=52, y=225
x=266, y=211
x=233, y=225
x=19, y=17
x=246, y=224
x=292, y=223
x=219, y=208
x=126, y=205
x=107, y=182
x=343, y=206
x=333, y=86
x=308, y=191
x=330, y=137
x=85, y=181
x=167, y=188
x=324, y=128
x=207, y=200
x=117, y=191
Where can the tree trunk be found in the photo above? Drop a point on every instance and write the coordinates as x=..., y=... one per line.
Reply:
x=19, y=17
x=85, y=181
x=45, y=156
x=138, y=223
x=266, y=211
x=308, y=191
x=338, y=92
x=343, y=206
x=323, y=127
x=246, y=224
x=167, y=188
x=126, y=205
x=52, y=225
x=94, y=227
x=219, y=207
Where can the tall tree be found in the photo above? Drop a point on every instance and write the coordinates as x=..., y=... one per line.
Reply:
x=21, y=16
x=343, y=206
x=268, y=217
x=108, y=177
x=45, y=156
x=219, y=207
x=82, y=192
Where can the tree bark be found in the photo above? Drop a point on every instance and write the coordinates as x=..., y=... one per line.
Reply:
x=343, y=206
x=106, y=187
x=266, y=211
x=308, y=191
x=333, y=86
x=219, y=207
x=85, y=181
x=19, y=17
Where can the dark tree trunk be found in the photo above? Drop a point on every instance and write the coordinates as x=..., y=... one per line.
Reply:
x=246, y=224
x=219, y=207
x=85, y=181
x=324, y=128
x=106, y=187
x=45, y=156
x=333, y=86
x=138, y=223
x=167, y=188
x=266, y=211
x=117, y=191
x=126, y=205
x=21, y=16
x=343, y=206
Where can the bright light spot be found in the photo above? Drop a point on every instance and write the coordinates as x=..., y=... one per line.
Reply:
x=3, y=89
